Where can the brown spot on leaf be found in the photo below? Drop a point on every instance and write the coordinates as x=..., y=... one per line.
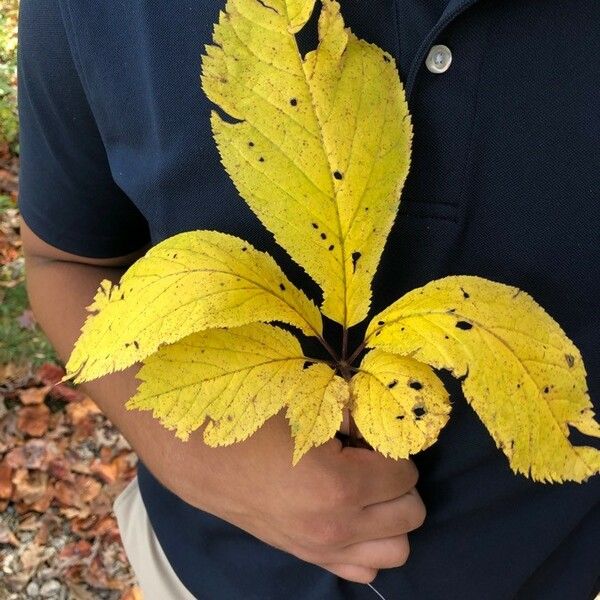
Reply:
x=355, y=257
x=464, y=325
x=338, y=175
x=415, y=385
x=570, y=360
x=392, y=384
x=419, y=411
x=293, y=101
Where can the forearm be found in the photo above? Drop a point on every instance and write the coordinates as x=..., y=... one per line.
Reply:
x=59, y=291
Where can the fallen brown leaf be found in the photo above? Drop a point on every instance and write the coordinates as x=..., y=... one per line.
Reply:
x=88, y=487
x=60, y=468
x=34, y=395
x=80, y=549
x=43, y=503
x=81, y=409
x=41, y=536
x=29, y=485
x=135, y=593
x=6, y=484
x=33, y=420
x=34, y=454
x=67, y=494
x=49, y=373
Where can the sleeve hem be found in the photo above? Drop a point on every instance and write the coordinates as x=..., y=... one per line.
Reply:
x=82, y=245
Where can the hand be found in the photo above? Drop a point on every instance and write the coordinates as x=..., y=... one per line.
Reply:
x=347, y=510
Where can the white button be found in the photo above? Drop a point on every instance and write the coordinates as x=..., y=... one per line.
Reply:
x=439, y=58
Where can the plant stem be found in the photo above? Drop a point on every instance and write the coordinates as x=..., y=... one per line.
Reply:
x=344, y=343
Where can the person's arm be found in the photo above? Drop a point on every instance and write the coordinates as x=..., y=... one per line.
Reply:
x=346, y=509
x=72, y=208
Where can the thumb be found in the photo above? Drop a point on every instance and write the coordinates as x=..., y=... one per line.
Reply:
x=345, y=426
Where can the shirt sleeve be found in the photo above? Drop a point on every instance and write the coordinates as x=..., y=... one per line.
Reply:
x=67, y=195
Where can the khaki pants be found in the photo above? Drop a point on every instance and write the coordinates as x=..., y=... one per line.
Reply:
x=155, y=575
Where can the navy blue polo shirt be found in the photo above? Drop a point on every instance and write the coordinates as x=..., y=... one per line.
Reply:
x=116, y=152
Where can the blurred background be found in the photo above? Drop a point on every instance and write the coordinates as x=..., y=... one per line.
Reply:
x=61, y=461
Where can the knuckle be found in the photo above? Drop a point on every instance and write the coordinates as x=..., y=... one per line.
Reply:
x=330, y=533
x=320, y=534
x=339, y=491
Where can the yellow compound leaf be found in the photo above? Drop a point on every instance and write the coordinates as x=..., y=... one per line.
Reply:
x=321, y=148
x=315, y=407
x=398, y=404
x=237, y=379
x=187, y=283
x=522, y=375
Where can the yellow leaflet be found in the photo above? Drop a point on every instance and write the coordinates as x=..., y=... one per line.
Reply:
x=523, y=376
x=398, y=404
x=237, y=379
x=322, y=146
x=298, y=12
x=315, y=407
x=189, y=282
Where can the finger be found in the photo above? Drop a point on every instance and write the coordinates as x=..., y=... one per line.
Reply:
x=389, y=519
x=375, y=554
x=377, y=522
x=378, y=478
x=351, y=572
x=345, y=426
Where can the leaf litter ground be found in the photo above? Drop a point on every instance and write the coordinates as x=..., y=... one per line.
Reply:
x=62, y=462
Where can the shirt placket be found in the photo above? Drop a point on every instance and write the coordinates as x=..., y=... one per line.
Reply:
x=442, y=92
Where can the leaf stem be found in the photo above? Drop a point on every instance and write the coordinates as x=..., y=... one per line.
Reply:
x=329, y=349
x=344, y=343
x=358, y=350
